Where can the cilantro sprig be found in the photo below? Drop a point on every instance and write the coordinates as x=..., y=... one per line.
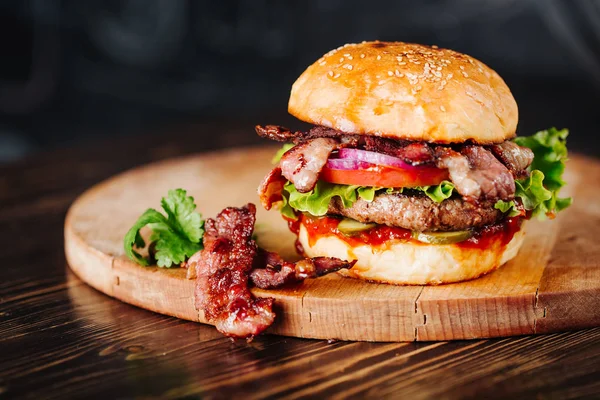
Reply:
x=175, y=237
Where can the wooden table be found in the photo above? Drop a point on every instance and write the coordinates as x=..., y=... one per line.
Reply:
x=60, y=338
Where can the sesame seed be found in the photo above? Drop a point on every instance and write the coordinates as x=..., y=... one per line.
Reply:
x=465, y=74
x=348, y=67
x=378, y=57
x=323, y=63
x=434, y=47
x=346, y=54
x=443, y=108
x=350, y=57
x=381, y=82
x=342, y=59
x=362, y=56
x=450, y=75
x=390, y=73
x=336, y=76
x=330, y=73
x=462, y=67
x=402, y=63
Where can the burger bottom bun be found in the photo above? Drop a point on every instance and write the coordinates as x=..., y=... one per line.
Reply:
x=410, y=263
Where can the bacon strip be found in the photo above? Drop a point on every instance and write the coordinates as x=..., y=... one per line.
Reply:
x=222, y=270
x=231, y=260
x=277, y=133
x=303, y=163
x=270, y=188
x=476, y=173
x=273, y=271
x=515, y=157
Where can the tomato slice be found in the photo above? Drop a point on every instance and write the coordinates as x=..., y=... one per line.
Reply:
x=382, y=176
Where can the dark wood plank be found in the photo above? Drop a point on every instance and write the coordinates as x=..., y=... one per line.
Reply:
x=59, y=338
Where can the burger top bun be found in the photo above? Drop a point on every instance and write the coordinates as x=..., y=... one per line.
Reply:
x=406, y=91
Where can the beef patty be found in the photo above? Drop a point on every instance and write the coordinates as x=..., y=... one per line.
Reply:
x=418, y=212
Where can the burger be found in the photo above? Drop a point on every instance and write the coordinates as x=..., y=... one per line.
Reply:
x=411, y=166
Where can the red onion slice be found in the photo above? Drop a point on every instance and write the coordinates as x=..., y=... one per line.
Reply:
x=373, y=158
x=347, y=164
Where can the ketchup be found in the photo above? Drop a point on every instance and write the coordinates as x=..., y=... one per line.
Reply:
x=483, y=238
x=321, y=226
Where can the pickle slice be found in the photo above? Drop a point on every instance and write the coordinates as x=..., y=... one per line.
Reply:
x=442, y=237
x=351, y=227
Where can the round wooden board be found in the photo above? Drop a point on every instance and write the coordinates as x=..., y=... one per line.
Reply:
x=552, y=285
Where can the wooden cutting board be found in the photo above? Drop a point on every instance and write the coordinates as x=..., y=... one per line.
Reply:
x=552, y=285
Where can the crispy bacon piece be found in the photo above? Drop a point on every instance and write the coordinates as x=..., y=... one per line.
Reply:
x=231, y=260
x=272, y=271
x=271, y=187
x=514, y=157
x=414, y=153
x=303, y=163
x=476, y=173
x=277, y=133
x=222, y=270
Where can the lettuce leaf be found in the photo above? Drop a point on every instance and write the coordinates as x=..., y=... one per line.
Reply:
x=539, y=192
x=316, y=202
x=438, y=193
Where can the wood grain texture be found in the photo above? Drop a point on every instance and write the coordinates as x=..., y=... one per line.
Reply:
x=552, y=285
x=61, y=339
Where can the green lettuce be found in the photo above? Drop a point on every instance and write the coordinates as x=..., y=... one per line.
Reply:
x=316, y=202
x=438, y=193
x=539, y=192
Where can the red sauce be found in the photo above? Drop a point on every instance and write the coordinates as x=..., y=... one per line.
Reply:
x=293, y=224
x=320, y=226
x=484, y=237
x=317, y=227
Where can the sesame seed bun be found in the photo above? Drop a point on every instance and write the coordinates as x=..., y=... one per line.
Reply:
x=406, y=91
x=409, y=263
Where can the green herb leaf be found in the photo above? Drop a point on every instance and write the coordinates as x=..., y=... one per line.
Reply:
x=316, y=202
x=177, y=236
x=182, y=216
x=539, y=192
x=438, y=193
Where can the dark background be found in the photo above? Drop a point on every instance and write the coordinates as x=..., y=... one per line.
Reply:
x=74, y=71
